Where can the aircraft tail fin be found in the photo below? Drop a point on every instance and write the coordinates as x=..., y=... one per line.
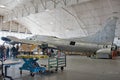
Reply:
x=106, y=35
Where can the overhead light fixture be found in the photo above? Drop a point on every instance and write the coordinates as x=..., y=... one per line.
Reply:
x=37, y=22
x=67, y=30
x=47, y=10
x=15, y=18
x=2, y=6
x=4, y=21
x=18, y=0
x=51, y=22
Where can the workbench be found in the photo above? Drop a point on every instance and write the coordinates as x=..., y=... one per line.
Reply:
x=5, y=65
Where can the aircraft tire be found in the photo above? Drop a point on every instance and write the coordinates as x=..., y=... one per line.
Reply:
x=32, y=74
x=21, y=72
x=110, y=56
x=62, y=68
x=56, y=69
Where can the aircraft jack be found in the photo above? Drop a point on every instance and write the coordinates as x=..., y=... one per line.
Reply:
x=32, y=66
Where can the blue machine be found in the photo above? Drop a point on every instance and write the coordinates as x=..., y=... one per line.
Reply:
x=32, y=66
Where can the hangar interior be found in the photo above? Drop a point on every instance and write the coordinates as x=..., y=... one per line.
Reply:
x=63, y=19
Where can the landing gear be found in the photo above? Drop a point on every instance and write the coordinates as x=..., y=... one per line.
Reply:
x=32, y=74
x=110, y=56
x=56, y=69
x=21, y=72
x=62, y=68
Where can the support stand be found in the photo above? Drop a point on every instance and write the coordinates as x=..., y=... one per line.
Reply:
x=4, y=66
x=4, y=73
x=31, y=65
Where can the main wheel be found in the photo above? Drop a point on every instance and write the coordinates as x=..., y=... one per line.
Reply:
x=56, y=69
x=110, y=56
x=62, y=68
x=21, y=72
x=32, y=74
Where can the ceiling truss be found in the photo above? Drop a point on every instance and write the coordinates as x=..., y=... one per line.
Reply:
x=37, y=6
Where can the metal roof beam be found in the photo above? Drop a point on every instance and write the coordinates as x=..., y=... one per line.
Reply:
x=39, y=6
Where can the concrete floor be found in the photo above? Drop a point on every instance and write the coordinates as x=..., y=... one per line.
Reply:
x=78, y=68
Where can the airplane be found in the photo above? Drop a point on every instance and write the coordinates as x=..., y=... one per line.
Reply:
x=100, y=42
x=14, y=40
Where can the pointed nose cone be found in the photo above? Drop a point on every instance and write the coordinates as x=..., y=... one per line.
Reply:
x=5, y=39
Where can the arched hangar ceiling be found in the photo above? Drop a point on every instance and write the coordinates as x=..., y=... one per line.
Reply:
x=61, y=18
x=13, y=26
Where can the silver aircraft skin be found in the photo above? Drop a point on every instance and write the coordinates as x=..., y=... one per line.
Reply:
x=97, y=42
x=93, y=43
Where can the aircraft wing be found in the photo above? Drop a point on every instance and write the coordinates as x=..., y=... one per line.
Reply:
x=14, y=40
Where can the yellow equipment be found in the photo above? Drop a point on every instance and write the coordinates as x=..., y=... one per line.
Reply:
x=27, y=47
x=38, y=56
